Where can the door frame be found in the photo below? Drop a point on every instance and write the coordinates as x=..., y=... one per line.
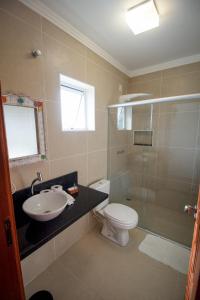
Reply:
x=192, y=291
x=11, y=282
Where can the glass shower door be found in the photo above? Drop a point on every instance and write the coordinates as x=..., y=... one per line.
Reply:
x=158, y=179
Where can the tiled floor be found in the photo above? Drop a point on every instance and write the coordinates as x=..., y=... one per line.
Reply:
x=97, y=269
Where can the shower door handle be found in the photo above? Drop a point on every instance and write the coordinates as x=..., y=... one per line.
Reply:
x=191, y=210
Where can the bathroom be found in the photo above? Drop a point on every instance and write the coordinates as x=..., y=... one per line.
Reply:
x=149, y=152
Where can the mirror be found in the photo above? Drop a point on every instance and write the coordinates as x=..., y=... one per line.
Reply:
x=24, y=129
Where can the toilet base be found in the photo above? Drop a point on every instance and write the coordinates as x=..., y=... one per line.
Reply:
x=117, y=235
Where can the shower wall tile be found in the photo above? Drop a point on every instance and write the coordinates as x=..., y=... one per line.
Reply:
x=143, y=160
x=176, y=163
x=120, y=186
x=118, y=160
x=181, y=70
x=180, y=106
x=147, y=77
x=150, y=86
x=137, y=189
x=176, y=132
x=161, y=192
x=178, y=129
x=181, y=85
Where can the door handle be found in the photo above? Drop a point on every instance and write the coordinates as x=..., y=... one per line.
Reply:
x=189, y=209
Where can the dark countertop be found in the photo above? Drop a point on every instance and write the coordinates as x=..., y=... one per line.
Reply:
x=33, y=234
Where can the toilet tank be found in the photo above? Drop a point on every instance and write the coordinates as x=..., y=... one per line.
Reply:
x=102, y=185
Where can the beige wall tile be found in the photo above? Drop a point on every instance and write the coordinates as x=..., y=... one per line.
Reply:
x=71, y=235
x=60, y=60
x=106, y=84
x=176, y=163
x=37, y=262
x=61, y=36
x=22, y=176
x=62, y=143
x=178, y=129
x=177, y=71
x=180, y=106
x=69, y=164
x=146, y=77
x=97, y=139
x=181, y=85
x=119, y=189
x=104, y=64
x=118, y=160
x=97, y=165
x=143, y=160
x=18, y=10
x=150, y=86
x=19, y=71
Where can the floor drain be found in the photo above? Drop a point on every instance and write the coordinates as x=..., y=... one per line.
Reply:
x=128, y=199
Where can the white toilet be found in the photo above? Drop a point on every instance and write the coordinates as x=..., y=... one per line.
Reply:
x=117, y=218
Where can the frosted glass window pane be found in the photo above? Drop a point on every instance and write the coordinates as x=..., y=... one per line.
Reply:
x=120, y=118
x=73, y=109
x=20, y=131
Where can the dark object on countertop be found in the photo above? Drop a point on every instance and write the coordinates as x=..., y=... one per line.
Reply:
x=42, y=295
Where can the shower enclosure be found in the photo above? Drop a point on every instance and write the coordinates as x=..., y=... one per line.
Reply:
x=153, y=163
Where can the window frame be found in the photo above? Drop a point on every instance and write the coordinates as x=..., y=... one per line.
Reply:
x=89, y=102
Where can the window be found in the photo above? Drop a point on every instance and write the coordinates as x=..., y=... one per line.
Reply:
x=77, y=105
x=124, y=118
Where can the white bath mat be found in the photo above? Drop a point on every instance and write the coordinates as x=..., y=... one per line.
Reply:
x=168, y=253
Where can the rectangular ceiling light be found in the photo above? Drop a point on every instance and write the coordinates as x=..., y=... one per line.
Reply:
x=142, y=17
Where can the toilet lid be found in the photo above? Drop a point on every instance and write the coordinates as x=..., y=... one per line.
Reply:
x=121, y=213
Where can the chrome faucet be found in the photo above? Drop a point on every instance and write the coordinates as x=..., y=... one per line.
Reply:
x=38, y=178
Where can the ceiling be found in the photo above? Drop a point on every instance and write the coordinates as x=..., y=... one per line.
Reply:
x=103, y=24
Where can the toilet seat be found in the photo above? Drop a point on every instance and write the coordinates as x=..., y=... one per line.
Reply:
x=121, y=214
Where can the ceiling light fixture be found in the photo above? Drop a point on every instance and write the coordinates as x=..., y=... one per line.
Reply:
x=142, y=17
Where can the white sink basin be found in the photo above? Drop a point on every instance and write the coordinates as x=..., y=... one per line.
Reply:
x=45, y=206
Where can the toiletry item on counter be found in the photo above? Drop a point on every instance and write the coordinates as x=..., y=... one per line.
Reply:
x=73, y=190
x=57, y=187
x=70, y=199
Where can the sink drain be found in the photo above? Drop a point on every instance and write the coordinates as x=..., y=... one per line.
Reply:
x=47, y=211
